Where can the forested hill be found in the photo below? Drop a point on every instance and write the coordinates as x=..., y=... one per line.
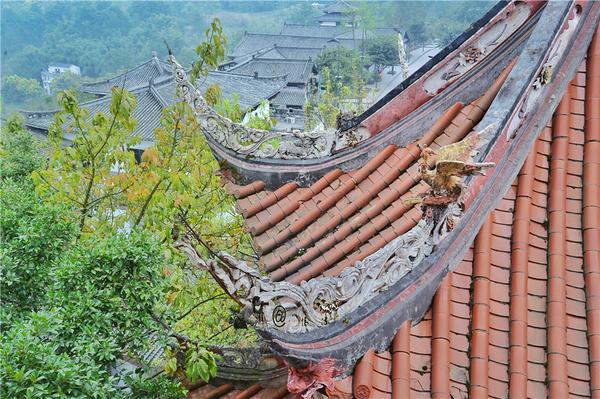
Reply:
x=104, y=38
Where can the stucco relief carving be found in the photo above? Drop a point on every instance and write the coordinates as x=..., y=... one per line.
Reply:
x=478, y=49
x=247, y=141
x=315, y=303
x=320, y=301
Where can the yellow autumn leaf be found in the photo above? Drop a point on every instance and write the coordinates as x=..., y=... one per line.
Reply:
x=150, y=156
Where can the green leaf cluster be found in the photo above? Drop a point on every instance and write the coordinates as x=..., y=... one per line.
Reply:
x=33, y=366
x=120, y=281
x=19, y=150
x=211, y=51
x=335, y=97
x=382, y=51
x=345, y=66
x=17, y=89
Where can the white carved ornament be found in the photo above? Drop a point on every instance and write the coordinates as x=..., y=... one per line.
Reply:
x=301, y=308
x=253, y=142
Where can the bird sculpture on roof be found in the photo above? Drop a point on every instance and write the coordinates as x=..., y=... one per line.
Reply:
x=444, y=168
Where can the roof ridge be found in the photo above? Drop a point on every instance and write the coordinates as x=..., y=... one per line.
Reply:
x=297, y=36
x=158, y=96
x=95, y=101
x=119, y=75
x=289, y=60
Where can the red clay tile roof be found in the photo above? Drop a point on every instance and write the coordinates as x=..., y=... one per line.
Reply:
x=255, y=391
x=301, y=233
x=520, y=316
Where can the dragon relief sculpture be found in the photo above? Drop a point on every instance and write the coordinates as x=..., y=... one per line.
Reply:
x=315, y=303
x=247, y=141
x=444, y=169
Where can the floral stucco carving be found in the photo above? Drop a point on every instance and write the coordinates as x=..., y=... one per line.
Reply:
x=300, y=308
x=292, y=308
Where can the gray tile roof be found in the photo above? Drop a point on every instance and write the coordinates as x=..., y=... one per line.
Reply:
x=60, y=64
x=331, y=18
x=253, y=42
x=314, y=30
x=296, y=71
x=338, y=7
x=292, y=53
x=151, y=99
x=133, y=78
x=251, y=91
x=147, y=113
x=290, y=96
x=377, y=32
x=299, y=53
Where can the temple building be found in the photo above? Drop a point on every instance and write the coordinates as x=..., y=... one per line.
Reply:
x=445, y=243
x=340, y=13
x=153, y=86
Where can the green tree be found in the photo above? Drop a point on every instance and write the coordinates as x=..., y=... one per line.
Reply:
x=19, y=150
x=70, y=309
x=211, y=51
x=66, y=81
x=382, y=51
x=32, y=364
x=34, y=237
x=335, y=98
x=344, y=66
x=417, y=33
x=174, y=187
x=305, y=13
x=17, y=89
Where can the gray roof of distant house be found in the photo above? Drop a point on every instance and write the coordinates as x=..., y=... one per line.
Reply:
x=132, y=79
x=331, y=18
x=60, y=64
x=290, y=96
x=314, y=30
x=338, y=7
x=147, y=113
x=281, y=53
x=294, y=53
x=339, y=32
x=152, y=98
x=376, y=32
x=295, y=71
x=253, y=42
x=251, y=91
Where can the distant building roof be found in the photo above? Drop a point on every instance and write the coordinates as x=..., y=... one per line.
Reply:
x=377, y=32
x=133, y=78
x=338, y=32
x=314, y=30
x=147, y=113
x=60, y=64
x=253, y=42
x=330, y=18
x=338, y=7
x=296, y=71
x=152, y=98
x=251, y=91
x=290, y=96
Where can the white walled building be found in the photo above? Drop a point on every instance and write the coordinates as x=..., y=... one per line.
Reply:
x=56, y=69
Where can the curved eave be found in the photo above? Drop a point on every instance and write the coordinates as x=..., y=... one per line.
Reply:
x=409, y=109
x=374, y=324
